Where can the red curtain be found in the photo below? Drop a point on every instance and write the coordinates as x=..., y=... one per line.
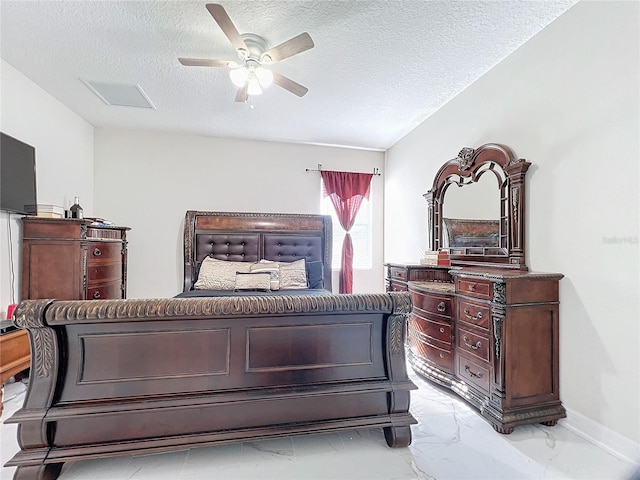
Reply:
x=346, y=190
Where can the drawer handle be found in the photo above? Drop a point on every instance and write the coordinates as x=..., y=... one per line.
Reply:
x=472, y=286
x=97, y=252
x=471, y=374
x=442, y=307
x=467, y=314
x=441, y=329
x=442, y=355
x=96, y=295
x=475, y=346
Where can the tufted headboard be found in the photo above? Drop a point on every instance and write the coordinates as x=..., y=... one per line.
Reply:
x=249, y=237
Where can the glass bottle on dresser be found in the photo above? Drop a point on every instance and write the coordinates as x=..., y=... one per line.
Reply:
x=76, y=210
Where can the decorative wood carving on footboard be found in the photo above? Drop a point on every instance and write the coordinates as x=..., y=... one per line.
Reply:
x=122, y=377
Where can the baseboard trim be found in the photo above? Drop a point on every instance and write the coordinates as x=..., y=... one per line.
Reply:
x=622, y=447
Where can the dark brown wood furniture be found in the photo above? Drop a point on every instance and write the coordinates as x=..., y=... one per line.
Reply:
x=15, y=356
x=431, y=329
x=70, y=259
x=467, y=168
x=506, y=345
x=122, y=377
x=249, y=237
x=486, y=327
x=398, y=275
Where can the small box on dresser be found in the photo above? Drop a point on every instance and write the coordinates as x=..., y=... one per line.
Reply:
x=70, y=259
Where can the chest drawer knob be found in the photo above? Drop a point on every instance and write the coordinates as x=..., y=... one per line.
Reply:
x=474, y=346
x=472, y=286
x=97, y=252
x=442, y=355
x=442, y=307
x=441, y=329
x=96, y=295
x=467, y=314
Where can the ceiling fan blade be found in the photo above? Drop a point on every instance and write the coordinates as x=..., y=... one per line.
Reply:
x=222, y=19
x=242, y=94
x=289, y=84
x=203, y=62
x=289, y=48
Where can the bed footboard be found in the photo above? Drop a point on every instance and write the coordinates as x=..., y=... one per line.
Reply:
x=123, y=377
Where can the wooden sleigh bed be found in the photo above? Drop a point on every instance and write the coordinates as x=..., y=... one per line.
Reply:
x=123, y=377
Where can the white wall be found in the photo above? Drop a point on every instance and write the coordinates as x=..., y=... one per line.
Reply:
x=567, y=101
x=148, y=180
x=64, y=161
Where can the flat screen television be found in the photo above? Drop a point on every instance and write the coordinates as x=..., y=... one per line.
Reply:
x=17, y=175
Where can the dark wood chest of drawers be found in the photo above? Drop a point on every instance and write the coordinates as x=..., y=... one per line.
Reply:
x=491, y=336
x=73, y=260
x=507, y=345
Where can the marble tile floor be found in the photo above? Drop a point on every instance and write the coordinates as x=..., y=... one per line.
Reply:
x=451, y=441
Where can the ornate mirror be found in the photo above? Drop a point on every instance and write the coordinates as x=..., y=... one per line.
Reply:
x=477, y=208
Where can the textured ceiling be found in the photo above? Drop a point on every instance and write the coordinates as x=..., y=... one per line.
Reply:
x=377, y=70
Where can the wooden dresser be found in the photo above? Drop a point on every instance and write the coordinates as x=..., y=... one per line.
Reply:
x=491, y=336
x=486, y=327
x=507, y=348
x=71, y=260
x=15, y=356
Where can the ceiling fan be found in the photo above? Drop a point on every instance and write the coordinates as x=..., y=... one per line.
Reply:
x=249, y=74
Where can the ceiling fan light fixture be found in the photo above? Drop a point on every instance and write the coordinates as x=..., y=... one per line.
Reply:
x=265, y=77
x=248, y=75
x=239, y=76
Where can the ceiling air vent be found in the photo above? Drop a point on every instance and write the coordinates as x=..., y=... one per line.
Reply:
x=119, y=94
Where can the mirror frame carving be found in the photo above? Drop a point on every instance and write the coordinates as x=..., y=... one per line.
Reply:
x=466, y=168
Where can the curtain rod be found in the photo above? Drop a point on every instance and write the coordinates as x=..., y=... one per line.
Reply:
x=376, y=170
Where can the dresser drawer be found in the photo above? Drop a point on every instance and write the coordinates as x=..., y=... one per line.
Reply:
x=398, y=273
x=474, y=313
x=104, y=273
x=105, y=291
x=103, y=252
x=473, y=343
x=474, y=288
x=474, y=372
x=397, y=287
x=441, y=357
x=424, y=327
x=435, y=304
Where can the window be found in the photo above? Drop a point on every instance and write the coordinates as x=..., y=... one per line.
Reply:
x=360, y=234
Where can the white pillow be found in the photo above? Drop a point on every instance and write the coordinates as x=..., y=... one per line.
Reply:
x=272, y=268
x=260, y=281
x=219, y=274
x=293, y=275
